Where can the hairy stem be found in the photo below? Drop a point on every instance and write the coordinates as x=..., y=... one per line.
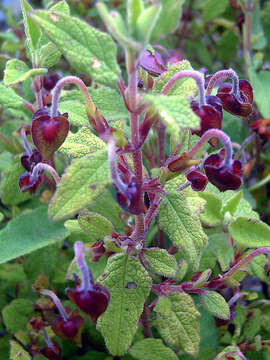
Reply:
x=113, y=168
x=86, y=279
x=223, y=75
x=56, y=301
x=42, y=166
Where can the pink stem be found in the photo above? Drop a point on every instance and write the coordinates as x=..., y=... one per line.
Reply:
x=56, y=301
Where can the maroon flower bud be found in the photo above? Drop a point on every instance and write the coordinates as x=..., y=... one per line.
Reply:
x=181, y=163
x=131, y=201
x=48, y=133
x=223, y=177
x=97, y=249
x=37, y=323
x=28, y=182
x=198, y=180
x=93, y=301
x=50, y=81
x=237, y=105
x=69, y=329
x=52, y=351
x=153, y=63
x=211, y=116
x=29, y=161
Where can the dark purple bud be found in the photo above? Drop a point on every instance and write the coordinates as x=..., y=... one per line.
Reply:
x=49, y=133
x=153, y=63
x=70, y=329
x=211, y=116
x=50, y=81
x=223, y=177
x=131, y=201
x=198, y=180
x=52, y=351
x=28, y=182
x=29, y=161
x=241, y=105
x=93, y=301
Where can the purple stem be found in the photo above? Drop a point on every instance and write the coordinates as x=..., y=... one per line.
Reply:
x=56, y=301
x=223, y=75
x=113, y=168
x=184, y=186
x=86, y=279
x=42, y=166
x=46, y=338
x=236, y=352
x=196, y=75
x=224, y=138
x=25, y=142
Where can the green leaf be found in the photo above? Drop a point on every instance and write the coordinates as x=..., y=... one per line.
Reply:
x=178, y=322
x=174, y=111
x=95, y=225
x=61, y=6
x=32, y=31
x=213, y=9
x=232, y=204
x=129, y=286
x=184, y=230
x=212, y=213
x=28, y=232
x=76, y=112
x=48, y=55
x=261, y=87
x=230, y=351
x=250, y=232
x=215, y=304
x=83, y=181
x=169, y=18
x=12, y=273
x=12, y=103
x=146, y=22
x=253, y=324
x=161, y=262
x=257, y=267
x=81, y=143
x=257, y=30
x=9, y=188
x=16, y=314
x=17, y=71
x=149, y=349
x=134, y=9
x=227, y=46
x=17, y=352
x=82, y=45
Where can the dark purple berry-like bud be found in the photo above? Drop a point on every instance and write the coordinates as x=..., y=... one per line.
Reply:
x=223, y=177
x=198, y=180
x=50, y=81
x=29, y=161
x=211, y=116
x=69, y=329
x=237, y=106
x=131, y=201
x=153, y=63
x=28, y=182
x=52, y=352
x=48, y=133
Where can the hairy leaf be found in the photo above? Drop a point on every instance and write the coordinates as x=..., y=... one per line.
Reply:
x=16, y=314
x=12, y=103
x=32, y=31
x=17, y=71
x=95, y=225
x=83, y=181
x=215, y=304
x=212, y=213
x=149, y=349
x=129, y=286
x=161, y=262
x=17, y=351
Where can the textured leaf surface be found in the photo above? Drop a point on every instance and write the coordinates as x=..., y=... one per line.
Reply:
x=184, y=230
x=257, y=266
x=212, y=213
x=81, y=143
x=87, y=49
x=149, y=349
x=17, y=352
x=129, y=286
x=15, y=314
x=178, y=322
x=28, y=232
x=250, y=232
x=76, y=112
x=12, y=102
x=32, y=31
x=17, y=71
x=215, y=304
x=95, y=225
x=9, y=188
x=83, y=181
x=261, y=86
x=161, y=262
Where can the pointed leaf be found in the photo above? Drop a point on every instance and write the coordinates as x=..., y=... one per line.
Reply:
x=28, y=232
x=17, y=352
x=146, y=22
x=161, y=262
x=95, y=225
x=134, y=9
x=250, y=232
x=12, y=103
x=83, y=181
x=81, y=44
x=215, y=304
x=178, y=322
x=129, y=286
x=16, y=314
x=17, y=71
x=149, y=349
x=184, y=230
x=212, y=213
x=32, y=31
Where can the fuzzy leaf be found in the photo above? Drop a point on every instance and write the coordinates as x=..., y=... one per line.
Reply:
x=28, y=232
x=231, y=351
x=95, y=225
x=231, y=204
x=32, y=31
x=178, y=322
x=161, y=262
x=250, y=232
x=129, y=286
x=17, y=71
x=212, y=213
x=83, y=181
x=215, y=304
x=9, y=188
x=149, y=349
x=81, y=143
x=17, y=352
x=82, y=45
x=184, y=230
x=146, y=22
x=168, y=19
x=12, y=103
x=134, y=9
x=16, y=314
x=76, y=112
x=257, y=267
x=213, y=9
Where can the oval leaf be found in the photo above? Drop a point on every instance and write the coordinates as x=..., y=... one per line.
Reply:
x=215, y=304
